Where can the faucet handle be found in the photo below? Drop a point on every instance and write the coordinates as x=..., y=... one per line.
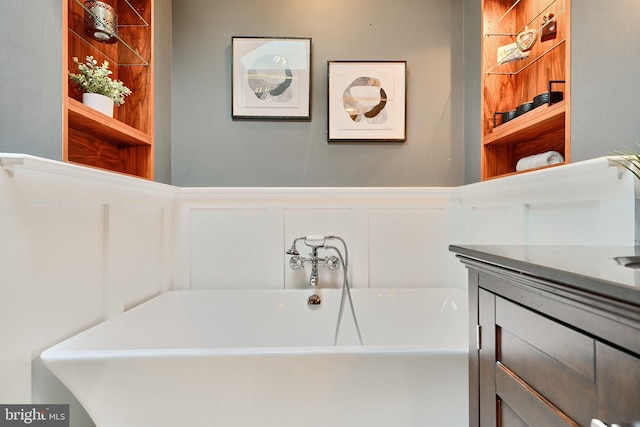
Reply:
x=295, y=262
x=332, y=262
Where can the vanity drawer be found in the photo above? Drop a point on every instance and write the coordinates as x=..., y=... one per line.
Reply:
x=519, y=405
x=618, y=378
x=553, y=361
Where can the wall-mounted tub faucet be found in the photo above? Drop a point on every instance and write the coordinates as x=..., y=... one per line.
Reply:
x=315, y=243
x=332, y=262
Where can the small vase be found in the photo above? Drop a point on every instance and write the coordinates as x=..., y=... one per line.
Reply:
x=98, y=102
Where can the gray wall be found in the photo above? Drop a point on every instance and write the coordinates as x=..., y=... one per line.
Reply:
x=605, y=77
x=208, y=148
x=162, y=90
x=31, y=77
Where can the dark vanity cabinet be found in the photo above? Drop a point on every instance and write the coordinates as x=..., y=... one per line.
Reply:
x=549, y=344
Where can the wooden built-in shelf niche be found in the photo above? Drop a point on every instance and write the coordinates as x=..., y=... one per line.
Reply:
x=123, y=143
x=506, y=86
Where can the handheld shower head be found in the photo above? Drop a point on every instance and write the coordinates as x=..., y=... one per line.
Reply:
x=293, y=250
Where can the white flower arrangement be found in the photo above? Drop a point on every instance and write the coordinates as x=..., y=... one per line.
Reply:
x=92, y=78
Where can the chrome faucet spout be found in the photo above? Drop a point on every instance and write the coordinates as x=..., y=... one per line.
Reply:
x=313, y=279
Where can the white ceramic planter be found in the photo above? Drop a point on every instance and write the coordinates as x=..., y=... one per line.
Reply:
x=102, y=103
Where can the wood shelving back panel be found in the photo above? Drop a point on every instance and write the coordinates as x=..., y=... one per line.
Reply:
x=85, y=149
x=507, y=86
x=124, y=143
x=136, y=111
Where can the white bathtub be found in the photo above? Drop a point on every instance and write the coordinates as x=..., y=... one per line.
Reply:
x=264, y=358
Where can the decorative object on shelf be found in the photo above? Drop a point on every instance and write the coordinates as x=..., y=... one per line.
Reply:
x=95, y=79
x=549, y=27
x=539, y=160
x=98, y=102
x=526, y=39
x=524, y=108
x=550, y=97
x=271, y=78
x=367, y=101
x=509, y=53
x=505, y=116
x=100, y=21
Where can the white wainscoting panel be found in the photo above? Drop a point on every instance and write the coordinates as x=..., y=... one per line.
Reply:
x=231, y=248
x=15, y=295
x=585, y=203
x=562, y=223
x=79, y=246
x=68, y=269
x=237, y=236
x=407, y=247
x=136, y=251
x=497, y=223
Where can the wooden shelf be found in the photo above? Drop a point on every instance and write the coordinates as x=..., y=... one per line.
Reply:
x=527, y=171
x=534, y=125
x=546, y=128
x=86, y=119
x=123, y=143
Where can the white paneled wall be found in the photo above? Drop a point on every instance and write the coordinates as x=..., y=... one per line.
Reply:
x=230, y=248
x=69, y=260
x=413, y=241
x=80, y=245
x=238, y=238
x=585, y=203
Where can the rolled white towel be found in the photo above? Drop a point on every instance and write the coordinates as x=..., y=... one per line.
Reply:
x=539, y=160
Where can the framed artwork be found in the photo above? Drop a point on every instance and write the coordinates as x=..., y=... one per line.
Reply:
x=271, y=78
x=367, y=101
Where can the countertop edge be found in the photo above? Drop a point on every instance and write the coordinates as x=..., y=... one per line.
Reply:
x=570, y=279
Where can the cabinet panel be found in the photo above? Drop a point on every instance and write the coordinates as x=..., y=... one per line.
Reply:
x=487, y=358
x=618, y=386
x=570, y=348
x=552, y=353
x=548, y=377
x=474, y=371
x=529, y=405
x=509, y=418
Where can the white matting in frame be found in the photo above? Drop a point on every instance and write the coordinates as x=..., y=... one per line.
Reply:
x=367, y=101
x=271, y=78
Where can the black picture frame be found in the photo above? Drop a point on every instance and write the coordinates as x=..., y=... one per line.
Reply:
x=271, y=78
x=367, y=101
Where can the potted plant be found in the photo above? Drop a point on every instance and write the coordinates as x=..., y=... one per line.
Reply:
x=100, y=91
x=630, y=160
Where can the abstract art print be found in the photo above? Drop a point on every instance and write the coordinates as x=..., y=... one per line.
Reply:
x=367, y=101
x=271, y=78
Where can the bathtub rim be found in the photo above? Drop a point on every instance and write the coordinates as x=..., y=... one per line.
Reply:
x=57, y=352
